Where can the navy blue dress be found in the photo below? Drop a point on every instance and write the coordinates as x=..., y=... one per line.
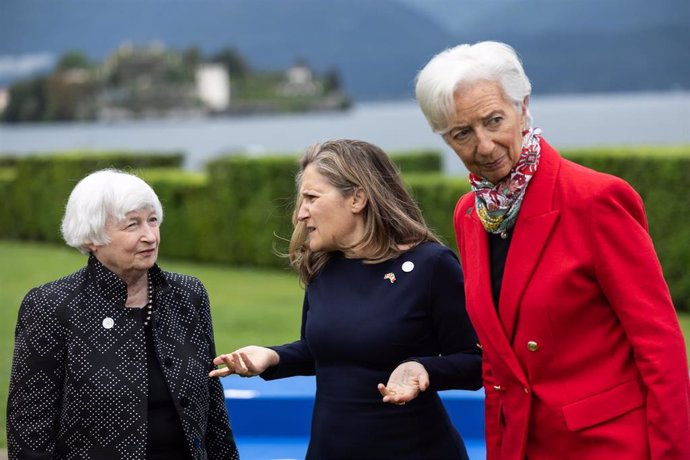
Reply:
x=359, y=322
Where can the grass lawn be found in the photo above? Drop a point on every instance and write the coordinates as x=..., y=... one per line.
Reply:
x=248, y=306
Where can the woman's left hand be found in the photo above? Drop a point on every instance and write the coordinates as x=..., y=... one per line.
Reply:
x=405, y=383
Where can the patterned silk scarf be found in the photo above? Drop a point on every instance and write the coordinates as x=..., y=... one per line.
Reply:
x=498, y=205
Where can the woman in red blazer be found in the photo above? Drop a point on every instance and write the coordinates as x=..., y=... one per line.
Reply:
x=583, y=354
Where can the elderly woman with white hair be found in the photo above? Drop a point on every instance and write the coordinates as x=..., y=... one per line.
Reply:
x=111, y=362
x=583, y=356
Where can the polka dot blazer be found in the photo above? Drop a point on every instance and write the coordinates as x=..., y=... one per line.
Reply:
x=78, y=388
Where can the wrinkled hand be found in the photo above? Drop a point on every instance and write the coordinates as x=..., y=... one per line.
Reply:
x=245, y=362
x=405, y=383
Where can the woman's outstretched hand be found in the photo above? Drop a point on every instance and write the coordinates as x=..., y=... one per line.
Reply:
x=405, y=383
x=245, y=362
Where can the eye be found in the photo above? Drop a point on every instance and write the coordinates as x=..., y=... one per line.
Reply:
x=461, y=134
x=494, y=121
x=153, y=219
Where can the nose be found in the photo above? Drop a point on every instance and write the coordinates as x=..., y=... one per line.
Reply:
x=303, y=212
x=148, y=232
x=485, y=144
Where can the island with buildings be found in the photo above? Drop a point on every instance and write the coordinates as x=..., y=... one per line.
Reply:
x=154, y=82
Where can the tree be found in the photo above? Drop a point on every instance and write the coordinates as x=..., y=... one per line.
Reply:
x=233, y=61
x=73, y=60
x=332, y=81
x=27, y=101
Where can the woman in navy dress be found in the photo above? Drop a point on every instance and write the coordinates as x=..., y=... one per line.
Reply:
x=384, y=302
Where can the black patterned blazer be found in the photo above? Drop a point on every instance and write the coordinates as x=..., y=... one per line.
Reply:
x=78, y=388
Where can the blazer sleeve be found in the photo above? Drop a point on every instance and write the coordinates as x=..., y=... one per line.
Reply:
x=630, y=275
x=295, y=357
x=36, y=380
x=220, y=442
x=458, y=365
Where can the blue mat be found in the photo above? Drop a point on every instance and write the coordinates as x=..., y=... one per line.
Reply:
x=271, y=420
x=296, y=448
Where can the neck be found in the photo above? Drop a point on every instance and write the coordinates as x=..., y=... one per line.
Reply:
x=137, y=291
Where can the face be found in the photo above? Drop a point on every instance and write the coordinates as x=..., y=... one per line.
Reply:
x=133, y=247
x=487, y=130
x=333, y=221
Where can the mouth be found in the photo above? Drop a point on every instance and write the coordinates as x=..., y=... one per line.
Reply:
x=148, y=252
x=493, y=164
x=310, y=229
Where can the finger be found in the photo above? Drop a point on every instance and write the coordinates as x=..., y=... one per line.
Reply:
x=383, y=390
x=220, y=359
x=397, y=400
x=227, y=360
x=251, y=368
x=240, y=366
x=390, y=396
x=390, y=399
x=223, y=360
x=219, y=372
x=423, y=382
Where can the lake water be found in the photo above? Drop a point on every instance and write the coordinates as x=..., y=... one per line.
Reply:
x=566, y=121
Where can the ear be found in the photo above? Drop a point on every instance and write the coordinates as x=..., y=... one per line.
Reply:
x=91, y=247
x=358, y=201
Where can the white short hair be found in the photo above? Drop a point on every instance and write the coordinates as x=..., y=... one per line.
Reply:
x=444, y=73
x=102, y=195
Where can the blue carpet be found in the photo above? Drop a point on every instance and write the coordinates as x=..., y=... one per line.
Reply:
x=271, y=420
x=292, y=448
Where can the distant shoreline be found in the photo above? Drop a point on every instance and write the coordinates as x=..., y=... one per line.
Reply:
x=572, y=121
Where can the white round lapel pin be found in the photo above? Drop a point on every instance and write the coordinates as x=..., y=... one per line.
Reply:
x=108, y=323
x=408, y=266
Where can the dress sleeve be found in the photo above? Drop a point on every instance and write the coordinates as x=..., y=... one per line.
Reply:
x=458, y=365
x=220, y=441
x=36, y=381
x=630, y=275
x=295, y=357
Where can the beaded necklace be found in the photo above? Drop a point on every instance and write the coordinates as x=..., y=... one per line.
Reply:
x=149, y=303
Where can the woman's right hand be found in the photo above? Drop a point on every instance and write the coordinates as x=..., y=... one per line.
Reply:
x=245, y=362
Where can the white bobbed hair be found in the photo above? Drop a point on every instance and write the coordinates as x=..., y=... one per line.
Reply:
x=437, y=82
x=102, y=195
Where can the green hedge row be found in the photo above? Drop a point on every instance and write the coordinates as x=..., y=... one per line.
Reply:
x=239, y=210
x=35, y=190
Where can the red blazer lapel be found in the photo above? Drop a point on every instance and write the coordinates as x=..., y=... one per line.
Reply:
x=532, y=229
x=479, y=299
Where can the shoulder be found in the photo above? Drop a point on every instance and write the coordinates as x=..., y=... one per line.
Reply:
x=62, y=287
x=429, y=249
x=45, y=301
x=465, y=203
x=433, y=255
x=184, y=283
x=581, y=183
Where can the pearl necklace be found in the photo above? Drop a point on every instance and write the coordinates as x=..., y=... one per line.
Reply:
x=149, y=304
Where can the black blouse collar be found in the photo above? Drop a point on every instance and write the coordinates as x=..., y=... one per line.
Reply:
x=113, y=287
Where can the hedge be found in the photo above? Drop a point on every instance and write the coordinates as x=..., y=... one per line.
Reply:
x=39, y=187
x=239, y=210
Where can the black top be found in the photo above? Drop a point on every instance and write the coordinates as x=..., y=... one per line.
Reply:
x=498, y=253
x=164, y=436
x=359, y=322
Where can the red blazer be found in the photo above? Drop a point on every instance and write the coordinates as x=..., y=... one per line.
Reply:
x=585, y=358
